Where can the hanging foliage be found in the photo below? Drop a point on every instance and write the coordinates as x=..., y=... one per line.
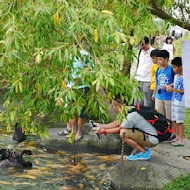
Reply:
x=40, y=41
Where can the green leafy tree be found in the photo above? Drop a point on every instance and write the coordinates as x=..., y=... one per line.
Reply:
x=136, y=22
x=39, y=41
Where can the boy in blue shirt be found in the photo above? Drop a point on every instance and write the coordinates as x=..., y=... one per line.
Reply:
x=164, y=77
x=178, y=102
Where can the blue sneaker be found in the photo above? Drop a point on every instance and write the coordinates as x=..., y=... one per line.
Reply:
x=132, y=157
x=140, y=156
x=148, y=150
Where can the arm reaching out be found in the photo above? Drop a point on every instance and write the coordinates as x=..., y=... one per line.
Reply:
x=111, y=128
x=111, y=125
x=170, y=89
x=100, y=130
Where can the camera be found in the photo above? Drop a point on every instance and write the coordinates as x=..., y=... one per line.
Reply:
x=93, y=126
x=92, y=123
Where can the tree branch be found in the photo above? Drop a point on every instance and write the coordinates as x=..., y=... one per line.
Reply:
x=165, y=16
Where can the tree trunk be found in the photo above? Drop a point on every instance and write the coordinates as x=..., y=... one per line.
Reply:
x=128, y=59
x=108, y=104
x=127, y=66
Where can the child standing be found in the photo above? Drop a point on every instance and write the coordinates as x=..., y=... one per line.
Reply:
x=154, y=68
x=169, y=46
x=178, y=102
x=164, y=77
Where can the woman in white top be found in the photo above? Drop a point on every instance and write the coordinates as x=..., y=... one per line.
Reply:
x=169, y=46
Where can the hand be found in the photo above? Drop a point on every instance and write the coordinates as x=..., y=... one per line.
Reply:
x=98, y=130
x=170, y=89
x=97, y=124
x=165, y=87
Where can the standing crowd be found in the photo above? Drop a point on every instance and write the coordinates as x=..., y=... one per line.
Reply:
x=160, y=76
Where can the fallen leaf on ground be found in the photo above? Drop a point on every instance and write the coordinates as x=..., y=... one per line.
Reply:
x=81, y=186
x=91, y=177
x=25, y=176
x=37, y=161
x=102, y=167
x=143, y=168
x=4, y=183
x=23, y=183
x=110, y=158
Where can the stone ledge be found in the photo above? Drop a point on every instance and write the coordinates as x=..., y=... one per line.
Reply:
x=108, y=144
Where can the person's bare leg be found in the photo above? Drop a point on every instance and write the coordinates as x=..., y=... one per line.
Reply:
x=73, y=124
x=134, y=144
x=79, y=131
x=181, y=132
x=176, y=128
x=68, y=126
x=131, y=142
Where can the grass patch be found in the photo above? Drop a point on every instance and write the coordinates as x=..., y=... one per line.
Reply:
x=187, y=123
x=181, y=183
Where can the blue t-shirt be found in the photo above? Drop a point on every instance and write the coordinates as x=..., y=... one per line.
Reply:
x=178, y=98
x=164, y=77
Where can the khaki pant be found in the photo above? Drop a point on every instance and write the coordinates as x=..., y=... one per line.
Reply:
x=163, y=107
x=139, y=137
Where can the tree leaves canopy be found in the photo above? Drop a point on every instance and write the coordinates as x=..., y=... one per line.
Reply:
x=40, y=40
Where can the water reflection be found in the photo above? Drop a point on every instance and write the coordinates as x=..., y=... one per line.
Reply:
x=55, y=170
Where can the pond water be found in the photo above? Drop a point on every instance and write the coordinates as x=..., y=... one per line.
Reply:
x=55, y=170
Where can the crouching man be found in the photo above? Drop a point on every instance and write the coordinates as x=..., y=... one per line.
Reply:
x=134, y=130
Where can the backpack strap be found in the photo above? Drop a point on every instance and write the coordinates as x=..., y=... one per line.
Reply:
x=153, y=120
x=167, y=130
x=138, y=57
x=134, y=128
x=144, y=137
x=138, y=106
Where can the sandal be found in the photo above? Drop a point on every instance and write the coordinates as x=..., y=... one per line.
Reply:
x=64, y=132
x=172, y=141
x=176, y=144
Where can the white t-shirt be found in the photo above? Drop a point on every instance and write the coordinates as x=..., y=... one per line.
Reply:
x=144, y=68
x=170, y=49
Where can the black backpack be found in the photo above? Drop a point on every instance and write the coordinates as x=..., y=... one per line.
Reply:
x=159, y=121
